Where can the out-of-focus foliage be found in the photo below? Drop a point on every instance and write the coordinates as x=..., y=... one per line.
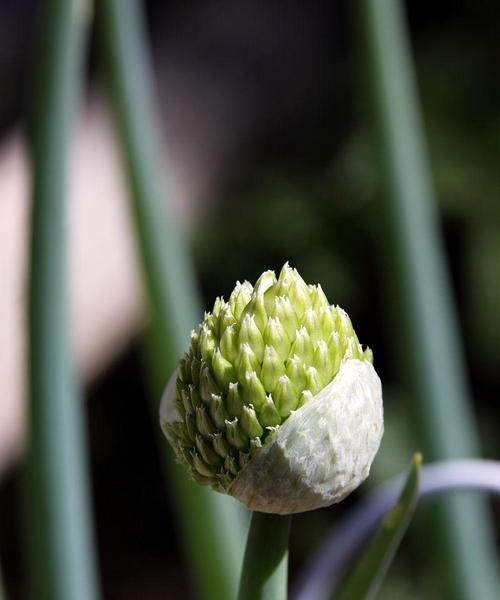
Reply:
x=327, y=222
x=315, y=203
x=370, y=569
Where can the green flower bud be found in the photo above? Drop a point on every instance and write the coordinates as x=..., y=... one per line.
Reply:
x=206, y=452
x=326, y=321
x=302, y=346
x=270, y=301
x=284, y=312
x=323, y=362
x=224, y=370
x=313, y=381
x=207, y=341
x=217, y=411
x=195, y=341
x=368, y=355
x=276, y=337
x=184, y=394
x=305, y=396
x=220, y=445
x=276, y=402
x=284, y=281
x=204, y=423
x=246, y=361
x=191, y=429
x=272, y=368
x=218, y=306
x=240, y=297
x=318, y=299
x=185, y=369
x=226, y=319
x=251, y=335
x=235, y=436
x=249, y=422
x=195, y=371
x=295, y=369
x=266, y=281
x=208, y=385
x=336, y=350
x=234, y=401
x=194, y=398
x=253, y=390
x=287, y=396
x=312, y=325
x=255, y=445
x=200, y=467
x=269, y=415
x=229, y=343
x=257, y=308
x=299, y=296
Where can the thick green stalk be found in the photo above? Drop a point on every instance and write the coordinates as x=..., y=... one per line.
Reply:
x=58, y=524
x=213, y=525
x=440, y=386
x=265, y=566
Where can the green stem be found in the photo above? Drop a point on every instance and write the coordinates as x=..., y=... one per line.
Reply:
x=436, y=361
x=58, y=523
x=213, y=525
x=265, y=566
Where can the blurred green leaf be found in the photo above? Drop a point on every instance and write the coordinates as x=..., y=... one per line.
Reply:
x=366, y=578
x=398, y=443
x=416, y=268
x=212, y=525
x=482, y=295
x=58, y=524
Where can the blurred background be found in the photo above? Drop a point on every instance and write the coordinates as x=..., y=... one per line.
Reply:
x=269, y=156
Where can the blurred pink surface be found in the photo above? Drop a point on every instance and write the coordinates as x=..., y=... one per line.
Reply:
x=104, y=280
x=104, y=285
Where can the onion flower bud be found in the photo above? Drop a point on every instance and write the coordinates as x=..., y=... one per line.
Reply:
x=275, y=402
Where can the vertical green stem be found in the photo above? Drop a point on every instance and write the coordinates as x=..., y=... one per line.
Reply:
x=58, y=524
x=213, y=525
x=441, y=391
x=265, y=566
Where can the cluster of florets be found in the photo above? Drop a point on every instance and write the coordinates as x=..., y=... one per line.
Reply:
x=253, y=360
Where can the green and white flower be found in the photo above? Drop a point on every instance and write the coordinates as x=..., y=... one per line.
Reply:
x=275, y=402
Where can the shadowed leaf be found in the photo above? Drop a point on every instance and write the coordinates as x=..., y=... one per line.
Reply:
x=369, y=572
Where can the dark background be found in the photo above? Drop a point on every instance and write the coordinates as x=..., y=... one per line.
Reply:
x=283, y=130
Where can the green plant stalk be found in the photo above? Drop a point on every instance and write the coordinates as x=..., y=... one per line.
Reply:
x=437, y=362
x=59, y=534
x=213, y=525
x=265, y=566
x=366, y=578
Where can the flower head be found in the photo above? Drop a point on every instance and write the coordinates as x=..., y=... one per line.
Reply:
x=275, y=402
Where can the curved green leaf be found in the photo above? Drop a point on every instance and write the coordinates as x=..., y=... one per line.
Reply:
x=367, y=576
